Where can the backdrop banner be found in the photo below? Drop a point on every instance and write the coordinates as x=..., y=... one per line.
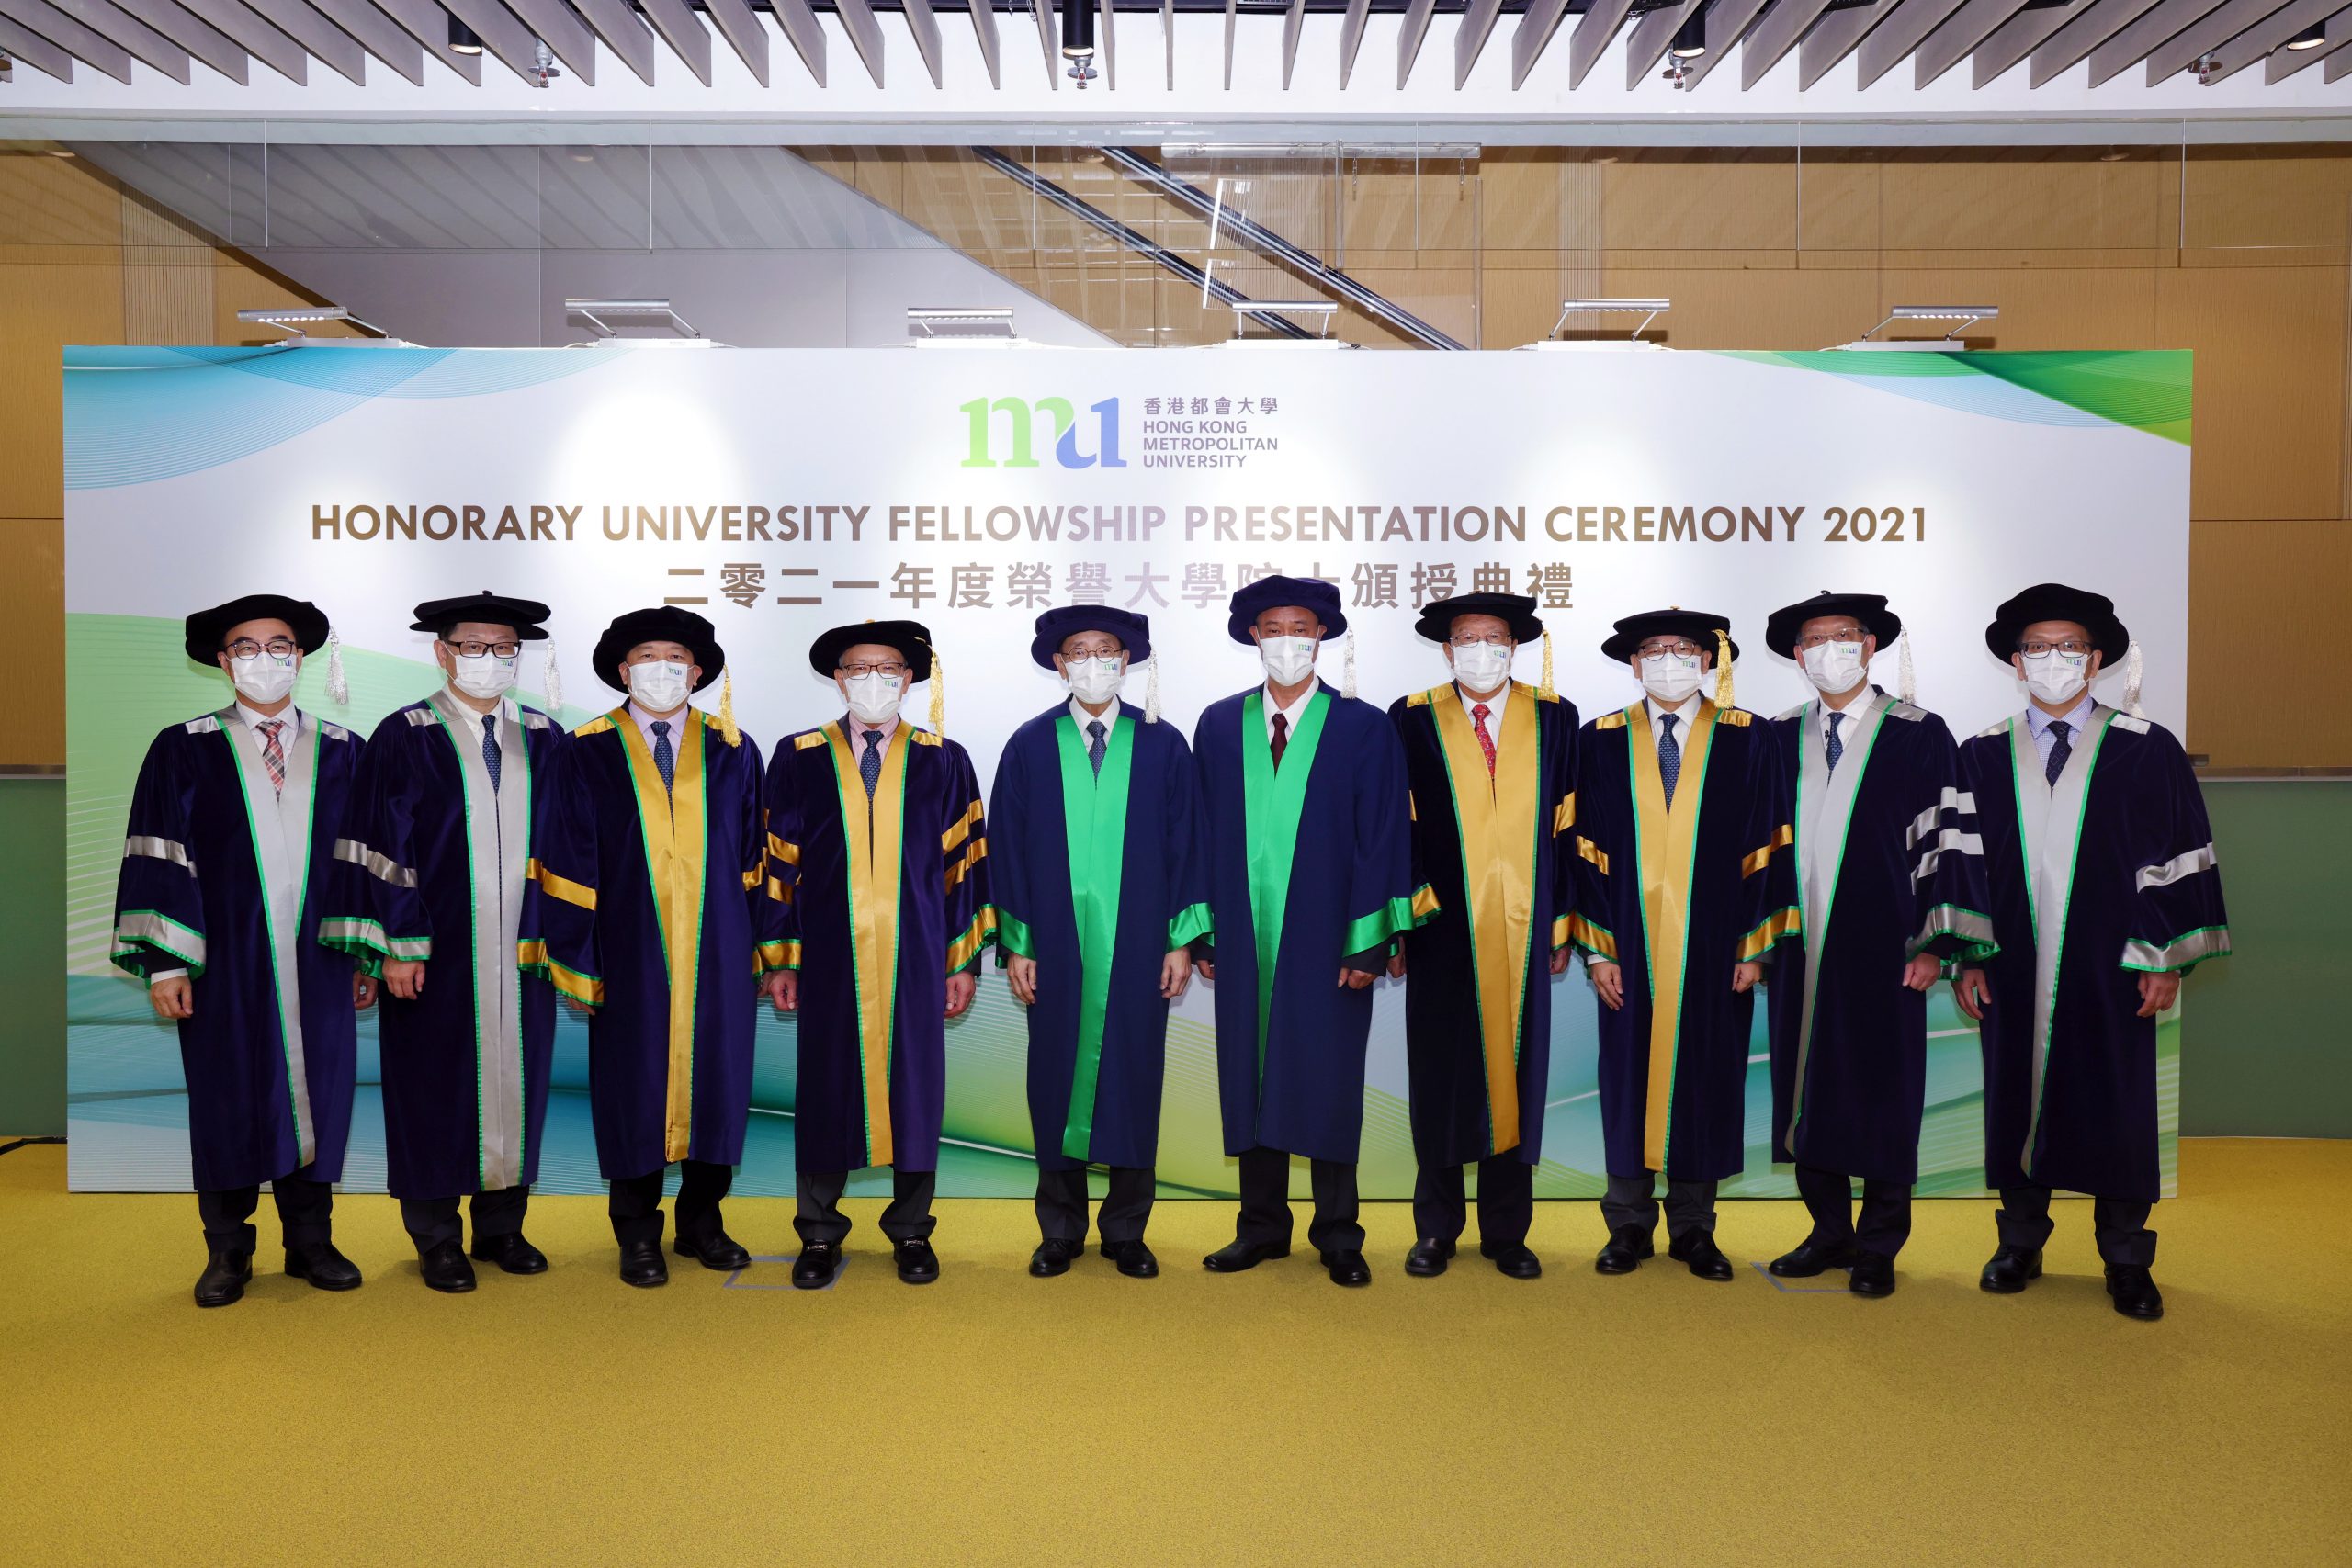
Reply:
x=781, y=492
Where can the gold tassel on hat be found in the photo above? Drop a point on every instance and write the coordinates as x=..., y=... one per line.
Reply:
x=1722, y=667
x=1546, y=690
x=726, y=709
x=938, y=693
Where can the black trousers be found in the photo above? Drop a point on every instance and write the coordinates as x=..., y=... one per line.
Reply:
x=906, y=1217
x=1126, y=1206
x=1689, y=1205
x=1265, y=1203
x=2119, y=1225
x=433, y=1221
x=1506, y=1200
x=304, y=1214
x=635, y=1203
x=1886, y=1211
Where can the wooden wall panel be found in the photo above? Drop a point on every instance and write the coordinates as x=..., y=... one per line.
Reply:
x=2269, y=198
x=41, y=310
x=1715, y=308
x=2270, y=393
x=2054, y=201
x=32, y=598
x=2264, y=579
x=1674, y=199
x=51, y=203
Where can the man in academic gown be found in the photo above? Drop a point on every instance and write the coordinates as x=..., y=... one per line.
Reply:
x=432, y=868
x=878, y=907
x=1492, y=764
x=644, y=910
x=253, y=797
x=1684, y=887
x=2105, y=894
x=1891, y=884
x=1100, y=891
x=1310, y=867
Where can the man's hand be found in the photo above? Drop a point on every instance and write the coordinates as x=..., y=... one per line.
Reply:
x=1021, y=974
x=1921, y=972
x=1397, y=962
x=404, y=978
x=1744, y=976
x=2158, y=992
x=1560, y=956
x=960, y=986
x=174, y=998
x=1204, y=967
x=1609, y=982
x=576, y=1005
x=783, y=988
x=1176, y=972
x=1972, y=995
x=1355, y=979
x=363, y=989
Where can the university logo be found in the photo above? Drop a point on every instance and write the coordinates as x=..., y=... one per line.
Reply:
x=1002, y=432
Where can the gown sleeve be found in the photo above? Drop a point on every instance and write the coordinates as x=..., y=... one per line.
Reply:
x=1383, y=899
x=1591, y=868
x=963, y=851
x=2177, y=920
x=1008, y=868
x=1560, y=799
x=767, y=948
x=778, y=921
x=375, y=910
x=559, y=938
x=1189, y=919
x=1946, y=857
x=158, y=915
x=1768, y=867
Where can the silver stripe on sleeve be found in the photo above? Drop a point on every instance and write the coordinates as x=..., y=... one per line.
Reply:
x=1950, y=839
x=2194, y=948
x=1947, y=919
x=1959, y=800
x=382, y=865
x=166, y=849
x=139, y=925
x=2173, y=869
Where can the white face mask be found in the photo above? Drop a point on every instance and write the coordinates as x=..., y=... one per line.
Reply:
x=1671, y=677
x=486, y=676
x=659, y=686
x=1094, y=680
x=874, y=699
x=1482, y=666
x=263, y=678
x=1835, y=667
x=2056, y=677
x=1288, y=660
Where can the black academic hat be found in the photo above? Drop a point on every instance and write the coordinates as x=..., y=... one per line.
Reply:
x=207, y=629
x=1255, y=599
x=1870, y=609
x=437, y=616
x=1056, y=626
x=2095, y=613
x=665, y=623
x=911, y=638
x=1697, y=625
x=1437, y=619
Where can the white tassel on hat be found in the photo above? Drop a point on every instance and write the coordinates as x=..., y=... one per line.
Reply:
x=551, y=681
x=1348, y=687
x=2133, y=670
x=1151, y=689
x=1905, y=686
x=339, y=689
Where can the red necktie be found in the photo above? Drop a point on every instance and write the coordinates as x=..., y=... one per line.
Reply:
x=1281, y=738
x=1486, y=741
x=273, y=756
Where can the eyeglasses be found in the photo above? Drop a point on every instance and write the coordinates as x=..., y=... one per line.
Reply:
x=1493, y=640
x=2036, y=649
x=1103, y=650
x=476, y=649
x=888, y=667
x=1660, y=650
x=1823, y=639
x=277, y=648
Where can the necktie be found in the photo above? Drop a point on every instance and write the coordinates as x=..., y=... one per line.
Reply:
x=1837, y=741
x=1486, y=741
x=1094, y=747
x=1669, y=757
x=869, y=766
x=490, y=749
x=2059, y=751
x=1281, y=738
x=664, y=758
x=273, y=756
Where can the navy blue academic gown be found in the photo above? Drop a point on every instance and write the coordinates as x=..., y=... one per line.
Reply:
x=2123, y=884
x=1097, y=877
x=1309, y=865
x=433, y=867
x=1478, y=984
x=1888, y=865
x=225, y=878
x=1673, y=1060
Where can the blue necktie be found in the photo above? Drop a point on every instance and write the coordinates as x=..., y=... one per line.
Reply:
x=1669, y=758
x=869, y=767
x=490, y=747
x=1837, y=741
x=664, y=758
x=2059, y=751
x=1094, y=748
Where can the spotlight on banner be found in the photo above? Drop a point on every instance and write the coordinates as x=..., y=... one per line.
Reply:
x=1243, y=310
x=992, y=323
x=594, y=311
x=1648, y=310
x=1966, y=315
x=291, y=318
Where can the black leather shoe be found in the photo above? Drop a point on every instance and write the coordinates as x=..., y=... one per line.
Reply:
x=918, y=1263
x=1627, y=1246
x=511, y=1253
x=2009, y=1271
x=1348, y=1267
x=1813, y=1257
x=1428, y=1259
x=1698, y=1252
x=2135, y=1291
x=224, y=1278
x=444, y=1267
x=1133, y=1257
x=1872, y=1276
x=718, y=1250
x=1235, y=1256
x=322, y=1266
x=1053, y=1257
x=642, y=1264
x=1513, y=1258
x=818, y=1263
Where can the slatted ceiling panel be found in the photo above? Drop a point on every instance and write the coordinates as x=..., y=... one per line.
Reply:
x=1727, y=22
x=428, y=24
x=554, y=23
x=1773, y=35
x=1835, y=36
x=2017, y=37
x=1968, y=26
x=29, y=48
x=92, y=47
x=2286, y=62
x=858, y=20
x=256, y=37
x=2210, y=30
x=743, y=32
x=200, y=38
x=2270, y=394
x=499, y=31
x=2132, y=44
x=105, y=17
x=680, y=28
x=922, y=27
x=325, y=42
x=378, y=34
x=808, y=39
x=2259, y=41
x=1647, y=41
x=1595, y=31
x=1891, y=42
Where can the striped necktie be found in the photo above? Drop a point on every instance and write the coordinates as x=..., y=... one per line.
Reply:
x=273, y=756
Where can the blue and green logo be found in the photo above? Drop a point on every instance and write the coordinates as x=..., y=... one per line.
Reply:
x=1015, y=422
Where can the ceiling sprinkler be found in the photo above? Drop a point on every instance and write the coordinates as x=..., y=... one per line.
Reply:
x=2206, y=65
x=1078, y=41
x=543, y=62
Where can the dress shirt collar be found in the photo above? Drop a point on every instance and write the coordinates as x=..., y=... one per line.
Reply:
x=2077, y=717
x=254, y=720
x=1108, y=718
x=1494, y=705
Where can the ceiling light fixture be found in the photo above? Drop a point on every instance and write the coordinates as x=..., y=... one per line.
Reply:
x=1078, y=41
x=462, y=39
x=2310, y=38
x=1690, y=37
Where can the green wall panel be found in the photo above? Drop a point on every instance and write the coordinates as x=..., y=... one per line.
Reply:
x=32, y=958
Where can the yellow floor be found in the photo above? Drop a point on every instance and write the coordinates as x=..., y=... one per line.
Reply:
x=1192, y=1419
